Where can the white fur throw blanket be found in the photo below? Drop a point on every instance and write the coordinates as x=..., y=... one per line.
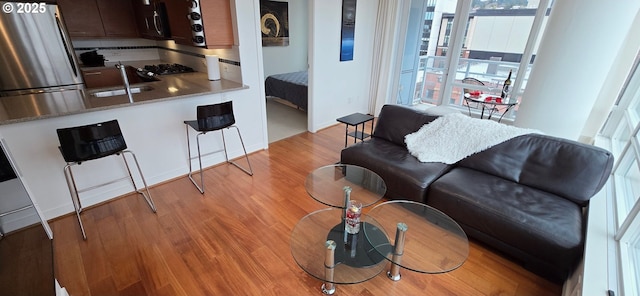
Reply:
x=452, y=137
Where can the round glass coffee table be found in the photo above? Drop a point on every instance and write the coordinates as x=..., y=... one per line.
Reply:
x=319, y=243
x=426, y=240
x=327, y=185
x=346, y=265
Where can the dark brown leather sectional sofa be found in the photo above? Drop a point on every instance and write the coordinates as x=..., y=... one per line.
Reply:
x=526, y=197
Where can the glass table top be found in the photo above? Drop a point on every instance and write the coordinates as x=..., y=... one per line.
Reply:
x=434, y=243
x=326, y=185
x=352, y=265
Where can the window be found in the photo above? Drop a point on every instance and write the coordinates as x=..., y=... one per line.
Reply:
x=622, y=129
x=492, y=39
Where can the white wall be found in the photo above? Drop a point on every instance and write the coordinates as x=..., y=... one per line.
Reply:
x=338, y=88
x=154, y=131
x=614, y=81
x=292, y=58
x=575, y=57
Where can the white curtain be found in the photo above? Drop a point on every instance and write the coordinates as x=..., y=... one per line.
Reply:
x=385, y=58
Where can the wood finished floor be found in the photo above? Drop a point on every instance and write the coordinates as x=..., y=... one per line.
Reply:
x=234, y=239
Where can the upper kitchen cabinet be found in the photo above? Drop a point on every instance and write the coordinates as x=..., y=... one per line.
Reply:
x=82, y=18
x=99, y=18
x=178, y=15
x=201, y=23
x=152, y=19
x=218, y=26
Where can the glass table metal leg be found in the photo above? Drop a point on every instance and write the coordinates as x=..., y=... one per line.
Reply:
x=398, y=250
x=329, y=287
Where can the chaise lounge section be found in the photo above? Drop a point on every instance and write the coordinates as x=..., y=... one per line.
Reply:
x=387, y=155
x=526, y=197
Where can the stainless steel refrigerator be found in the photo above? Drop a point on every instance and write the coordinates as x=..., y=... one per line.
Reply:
x=36, y=54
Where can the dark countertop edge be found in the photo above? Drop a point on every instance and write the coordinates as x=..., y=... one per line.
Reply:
x=239, y=86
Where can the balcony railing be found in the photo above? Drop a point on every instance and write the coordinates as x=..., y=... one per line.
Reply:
x=492, y=73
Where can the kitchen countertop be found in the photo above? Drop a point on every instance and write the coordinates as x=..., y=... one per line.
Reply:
x=21, y=108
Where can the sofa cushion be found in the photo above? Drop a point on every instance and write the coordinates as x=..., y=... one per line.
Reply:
x=396, y=121
x=404, y=175
x=567, y=168
x=541, y=224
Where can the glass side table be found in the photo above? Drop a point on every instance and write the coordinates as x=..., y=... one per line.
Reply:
x=426, y=240
x=318, y=247
x=327, y=185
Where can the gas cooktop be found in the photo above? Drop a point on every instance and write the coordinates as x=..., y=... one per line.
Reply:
x=165, y=69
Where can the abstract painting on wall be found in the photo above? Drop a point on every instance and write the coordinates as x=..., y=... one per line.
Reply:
x=274, y=23
x=348, y=30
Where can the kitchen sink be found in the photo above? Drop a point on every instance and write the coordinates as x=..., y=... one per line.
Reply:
x=118, y=92
x=111, y=77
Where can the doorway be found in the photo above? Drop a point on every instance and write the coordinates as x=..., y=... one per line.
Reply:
x=284, y=119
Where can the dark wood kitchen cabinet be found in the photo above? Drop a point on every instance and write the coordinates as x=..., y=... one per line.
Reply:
x=118, y=18
x=216, y=20
x=151, y=19
x=177, y=13
x=103, y=77
x=82, y=18
x=218, y=25
x=99, y=18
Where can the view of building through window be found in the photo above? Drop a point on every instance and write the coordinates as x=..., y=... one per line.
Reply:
x=496, y=35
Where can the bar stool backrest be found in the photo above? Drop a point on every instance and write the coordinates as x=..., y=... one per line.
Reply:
x=92, y=141
x=215, y=117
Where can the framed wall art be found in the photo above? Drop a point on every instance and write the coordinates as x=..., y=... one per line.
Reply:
x=274, y=23
x=348, y=30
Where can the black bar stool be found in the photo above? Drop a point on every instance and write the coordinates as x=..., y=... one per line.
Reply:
x=83, y=143
x=212, y=118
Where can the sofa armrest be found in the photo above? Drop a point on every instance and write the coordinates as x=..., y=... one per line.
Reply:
x=396, y=121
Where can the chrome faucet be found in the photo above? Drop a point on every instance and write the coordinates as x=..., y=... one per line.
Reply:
x=125, y=80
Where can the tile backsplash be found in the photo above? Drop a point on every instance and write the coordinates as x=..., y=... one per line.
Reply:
x=123, y=50
x=165, y=51
x=195, y=57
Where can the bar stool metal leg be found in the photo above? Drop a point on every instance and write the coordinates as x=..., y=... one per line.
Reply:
x=201, y=189
x=200, y=162
x=75, y=196
x=147, y=196
x=247, y=171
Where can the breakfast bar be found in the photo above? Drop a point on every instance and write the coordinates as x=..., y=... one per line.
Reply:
x=74, y=100
x=152, y=125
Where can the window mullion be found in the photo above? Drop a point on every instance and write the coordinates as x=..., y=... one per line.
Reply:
x=633, y=146
x=531, y=42
x=455, y=48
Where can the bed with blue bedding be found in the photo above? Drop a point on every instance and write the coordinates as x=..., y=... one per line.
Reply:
x=291, y=87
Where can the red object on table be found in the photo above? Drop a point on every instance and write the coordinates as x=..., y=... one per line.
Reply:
x=493, y=99
x=475, y=93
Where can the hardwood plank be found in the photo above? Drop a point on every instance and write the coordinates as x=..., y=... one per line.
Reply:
x=234, y=239
x=26, y=262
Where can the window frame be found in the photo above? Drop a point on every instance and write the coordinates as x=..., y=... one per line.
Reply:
x=452, y=47
x=622, y=134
